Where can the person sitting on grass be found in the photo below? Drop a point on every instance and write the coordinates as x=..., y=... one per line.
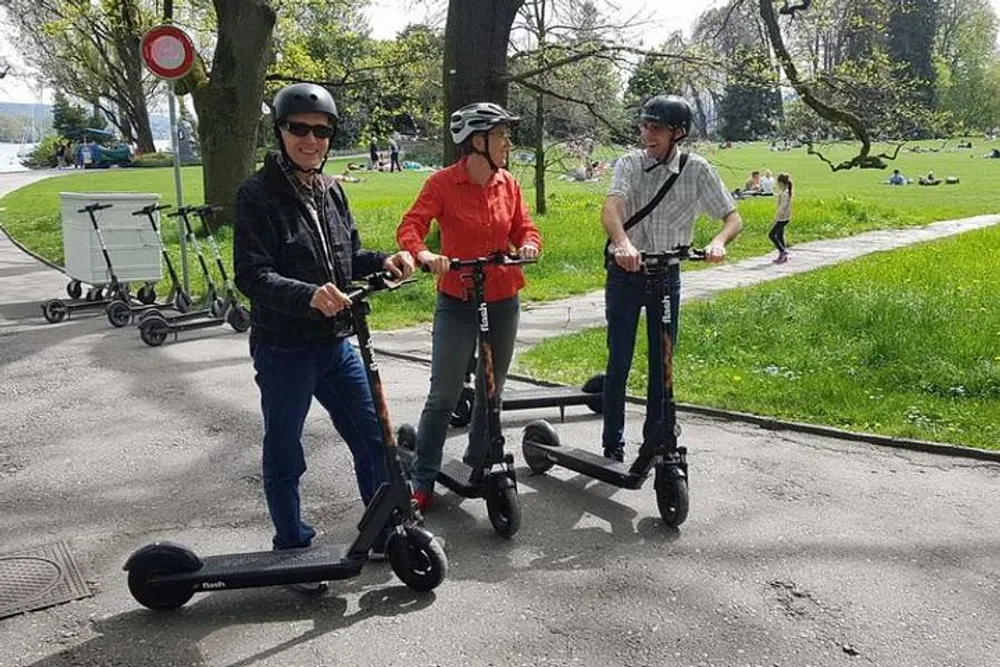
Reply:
x=897, y=178
x=929, y=179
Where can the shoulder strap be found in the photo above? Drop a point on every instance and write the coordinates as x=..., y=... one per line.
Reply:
x=639, y=215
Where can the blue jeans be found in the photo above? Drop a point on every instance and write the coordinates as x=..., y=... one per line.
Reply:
x=289, y=378
x=625, y=295
x=455, y=336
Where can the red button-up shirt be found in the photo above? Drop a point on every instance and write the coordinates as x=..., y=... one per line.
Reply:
x=475, y=221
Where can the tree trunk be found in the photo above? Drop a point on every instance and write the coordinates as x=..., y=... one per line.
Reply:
x=127, y=43
x=540, y=154
x=475, y=55
x=228, y=102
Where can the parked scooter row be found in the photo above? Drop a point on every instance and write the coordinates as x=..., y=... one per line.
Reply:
x=219, y=306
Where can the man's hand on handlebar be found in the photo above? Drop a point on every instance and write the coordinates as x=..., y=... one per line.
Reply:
x=627, y=256
x=399, y=265
x=329, y=300
x=715, y=252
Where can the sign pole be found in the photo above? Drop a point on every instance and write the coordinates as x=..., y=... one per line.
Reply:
x=175, y=147
x=169, y=54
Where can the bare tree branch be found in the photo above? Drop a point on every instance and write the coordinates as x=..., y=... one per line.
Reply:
x=864, y=159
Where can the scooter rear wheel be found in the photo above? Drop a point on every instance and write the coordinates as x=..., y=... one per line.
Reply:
x=462, y=414
x=119, y=314
x=159, y=598
x=418, y=559
x=671, y=496
x=503, y=506
x=153, y=331
x=540, y=432
x=54, y=311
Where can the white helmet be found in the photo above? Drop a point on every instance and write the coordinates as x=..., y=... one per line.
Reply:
x=478, y=117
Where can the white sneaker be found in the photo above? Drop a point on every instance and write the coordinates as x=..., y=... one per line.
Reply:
x=309, y=587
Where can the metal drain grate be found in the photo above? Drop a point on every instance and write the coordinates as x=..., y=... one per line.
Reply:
x=39, y=578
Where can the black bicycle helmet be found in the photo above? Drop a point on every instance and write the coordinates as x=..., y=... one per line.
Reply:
x=671, y=110
x=304, y=98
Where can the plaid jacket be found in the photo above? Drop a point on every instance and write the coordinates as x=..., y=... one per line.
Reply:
x=280, y=262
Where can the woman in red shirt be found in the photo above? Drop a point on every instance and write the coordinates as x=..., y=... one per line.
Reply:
x=480, y=210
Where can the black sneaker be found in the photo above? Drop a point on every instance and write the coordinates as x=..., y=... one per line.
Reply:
x=615, y=453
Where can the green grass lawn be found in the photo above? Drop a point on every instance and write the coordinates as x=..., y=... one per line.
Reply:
x=827, y=205
x=903, y=343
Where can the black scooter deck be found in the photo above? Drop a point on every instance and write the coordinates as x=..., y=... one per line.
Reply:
x=267, y=568
x=454, y=475
x=545, y=397
x=590, y=464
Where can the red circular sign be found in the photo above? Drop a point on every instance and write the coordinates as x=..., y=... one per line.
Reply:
x=167, y=52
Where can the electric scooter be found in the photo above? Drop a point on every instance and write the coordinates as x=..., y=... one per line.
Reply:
x=57, y=310
x=660, y=451
x=164, y=575
x=120, y=313
x=590, y=394
x=492, y=477
x=154, y=327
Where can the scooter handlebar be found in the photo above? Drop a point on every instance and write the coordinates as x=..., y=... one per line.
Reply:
x=681, y=252
x=94, y=207
x=383, y=281
x=151, y=208
x=497, y=258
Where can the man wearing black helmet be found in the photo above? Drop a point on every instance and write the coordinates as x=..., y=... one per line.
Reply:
x=664, y=122
x=295, y=249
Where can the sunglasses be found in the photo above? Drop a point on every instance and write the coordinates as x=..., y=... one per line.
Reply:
x=303, y=129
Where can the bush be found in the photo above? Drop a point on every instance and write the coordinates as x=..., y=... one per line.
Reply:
x=157, y=159
x=44, y=155
x=425, y=152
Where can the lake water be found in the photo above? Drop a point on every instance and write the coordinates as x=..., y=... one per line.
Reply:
x=8, y=156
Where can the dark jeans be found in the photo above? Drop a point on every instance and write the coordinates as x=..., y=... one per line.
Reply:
x=394, y=164
x=289, y=378
x=625, y=295
x=456, y=327
x=777, y=235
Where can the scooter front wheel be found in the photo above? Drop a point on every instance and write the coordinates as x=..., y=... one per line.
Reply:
x=671, y=495
x=462, y=414
x=406, y=437
x=147, y=293
x=238, y=318
x=418, y=559
x=119, y=314
x=503, y=505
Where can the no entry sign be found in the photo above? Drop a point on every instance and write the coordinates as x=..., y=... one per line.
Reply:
x=167, y=52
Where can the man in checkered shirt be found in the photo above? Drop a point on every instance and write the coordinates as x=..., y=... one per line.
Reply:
x=664, y=122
